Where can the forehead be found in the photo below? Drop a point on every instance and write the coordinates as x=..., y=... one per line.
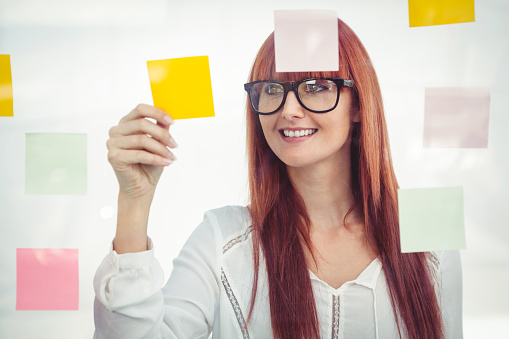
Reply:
x=296, y=76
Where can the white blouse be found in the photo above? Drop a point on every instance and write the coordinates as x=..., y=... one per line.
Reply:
x=209, y=290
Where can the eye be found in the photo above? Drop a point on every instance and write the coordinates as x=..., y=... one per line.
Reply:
x=315, y=88
x=273, y=89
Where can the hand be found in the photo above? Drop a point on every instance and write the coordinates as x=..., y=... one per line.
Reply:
x=137, y=150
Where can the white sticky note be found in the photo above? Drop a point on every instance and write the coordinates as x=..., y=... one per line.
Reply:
x=306, y=40
x=456, y=117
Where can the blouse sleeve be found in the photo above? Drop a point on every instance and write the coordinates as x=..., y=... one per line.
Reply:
x=130, y=302
x=451, y=294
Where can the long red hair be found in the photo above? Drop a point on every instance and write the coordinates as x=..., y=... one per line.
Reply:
x=281, y=223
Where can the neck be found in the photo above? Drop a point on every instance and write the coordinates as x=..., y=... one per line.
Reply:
x=326, y=189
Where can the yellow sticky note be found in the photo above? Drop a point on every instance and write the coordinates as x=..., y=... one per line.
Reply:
x=440, y=12
x=182, y=86
x=6, y=105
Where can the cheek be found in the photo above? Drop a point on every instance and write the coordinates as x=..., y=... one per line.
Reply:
x=338, y=129
x=348, y=104
x=267, y=126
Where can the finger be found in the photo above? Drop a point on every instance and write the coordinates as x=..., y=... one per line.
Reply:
x=140, y=142
x=147, y=111
x=130, y=157
x=143, y=126
x=172, y=143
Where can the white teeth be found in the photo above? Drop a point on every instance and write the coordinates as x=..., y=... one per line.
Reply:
x=300, y=133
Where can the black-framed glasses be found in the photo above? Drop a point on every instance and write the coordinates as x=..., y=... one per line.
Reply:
x=315, y=95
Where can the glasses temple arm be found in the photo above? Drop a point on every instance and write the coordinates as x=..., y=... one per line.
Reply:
x=348, y=83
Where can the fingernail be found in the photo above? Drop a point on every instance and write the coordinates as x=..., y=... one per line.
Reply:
x=167, y=161
x=172, y=143
x=168, y=120
x=172, y=156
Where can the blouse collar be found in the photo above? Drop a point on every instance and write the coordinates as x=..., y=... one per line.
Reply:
x=368, y=277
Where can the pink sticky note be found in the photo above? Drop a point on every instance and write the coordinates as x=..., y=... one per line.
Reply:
x=47, y=279
x=306, y=40
x=456, y=117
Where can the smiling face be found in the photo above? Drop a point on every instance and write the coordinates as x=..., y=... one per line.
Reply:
x=301, y=138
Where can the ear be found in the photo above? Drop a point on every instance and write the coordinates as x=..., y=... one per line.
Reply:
x=355, y=113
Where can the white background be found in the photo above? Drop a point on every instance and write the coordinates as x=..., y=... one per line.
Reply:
x=79, y=66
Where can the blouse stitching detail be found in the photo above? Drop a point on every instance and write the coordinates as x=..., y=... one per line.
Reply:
x=235, y=305
x=335, y=317
x=436, y=267
x=434, y=261
x=376, y=314
x=237, y=240
x=341, y=319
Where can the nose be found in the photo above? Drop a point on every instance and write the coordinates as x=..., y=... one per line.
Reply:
x=292, y=109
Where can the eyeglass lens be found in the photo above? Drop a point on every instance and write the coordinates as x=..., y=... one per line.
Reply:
x=316, y=95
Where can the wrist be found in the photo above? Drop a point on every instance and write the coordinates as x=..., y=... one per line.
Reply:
x=132, y=221
x=136, y=200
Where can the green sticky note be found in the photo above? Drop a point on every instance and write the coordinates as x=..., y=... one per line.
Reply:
x=431, y=219
x=56, y=163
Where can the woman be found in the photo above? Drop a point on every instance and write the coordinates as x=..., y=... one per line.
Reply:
x=317, y=252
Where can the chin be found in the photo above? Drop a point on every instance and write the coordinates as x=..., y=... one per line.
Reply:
x=296, y=161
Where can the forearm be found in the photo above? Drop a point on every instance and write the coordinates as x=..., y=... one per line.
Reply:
x=132, y=221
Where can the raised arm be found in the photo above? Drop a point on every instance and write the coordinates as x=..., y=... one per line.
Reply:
x=130, y=301
x=138, y=151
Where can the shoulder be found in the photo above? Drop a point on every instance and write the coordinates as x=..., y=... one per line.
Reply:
x=446, y=268
x=218, y=228
x=447, y=262
x=227, y=222
x=449, y=279
x=450, y=292
x=230, y=216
